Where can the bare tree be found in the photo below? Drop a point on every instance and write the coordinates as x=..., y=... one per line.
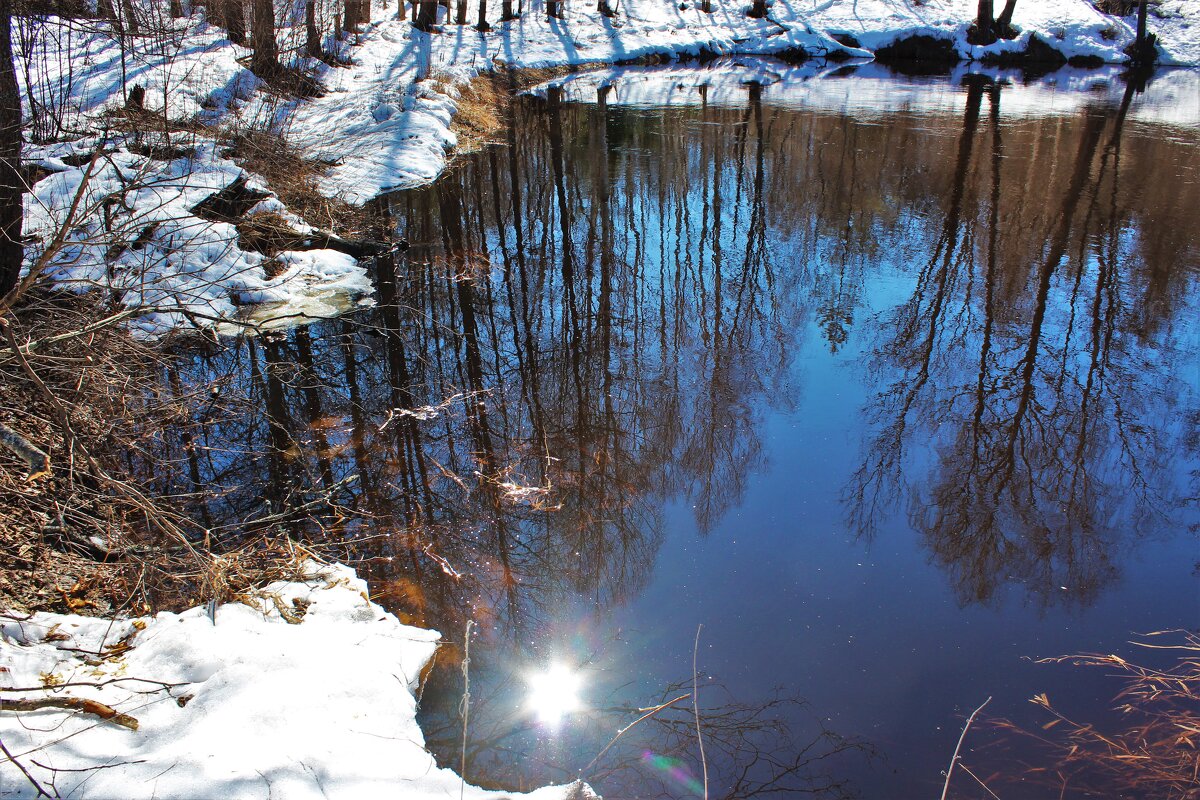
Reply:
x=988, y=28
x=266, y=52
x=312, y=44
x=11, y=184
x=426, y=15
x=230, y=15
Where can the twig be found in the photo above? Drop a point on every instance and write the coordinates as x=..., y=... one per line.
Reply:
x=92, y=768
x=97, y=685
x=696, y=709
x=60, y=238
x=72, y=704
x=465, y=707
x=113, y=319
x=986, y=788
x=64, y=419
x=957, y=747
x=650, y=712
x=41, y=792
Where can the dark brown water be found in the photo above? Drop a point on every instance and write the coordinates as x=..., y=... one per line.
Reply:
x=890, y=403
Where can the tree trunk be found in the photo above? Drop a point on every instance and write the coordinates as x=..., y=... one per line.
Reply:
x=262, y=26
x=350, y=16
x=11, y=211
x=1004, y=21
x=176, y=8
x=1143, y=7
x=552, y=9
x=985, y=22
x=506, y=11
x=758, y=9
x=426, y=15
x=461, y=17
x=312, y=36
x=604, y=8
x=364, y=12
x=232, y=15
x=481, y=24
x=131, y=23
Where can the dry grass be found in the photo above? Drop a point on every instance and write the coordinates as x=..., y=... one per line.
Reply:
x=1153, y=753
x=294, y=179
x=107, y=531
x=1120, y=8
x=481, y=107
x=268, y=233
x=484, y=101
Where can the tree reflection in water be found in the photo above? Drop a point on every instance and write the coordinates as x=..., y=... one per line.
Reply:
x=595, y=320
x=1018, y=361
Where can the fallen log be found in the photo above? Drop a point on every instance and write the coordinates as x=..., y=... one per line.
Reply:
x=79, y=704
x=37, y=460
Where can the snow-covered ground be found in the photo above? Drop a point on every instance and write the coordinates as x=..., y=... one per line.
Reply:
x=379, y=149
x=134, y=233
x=873, y=90
x=255, y=705
x=384, y=121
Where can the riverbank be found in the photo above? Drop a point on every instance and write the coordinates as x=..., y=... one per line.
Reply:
x=301, y=689
x=384, y=120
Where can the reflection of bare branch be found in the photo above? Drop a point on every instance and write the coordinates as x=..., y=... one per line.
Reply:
x=426, y=413
x=1035, y=463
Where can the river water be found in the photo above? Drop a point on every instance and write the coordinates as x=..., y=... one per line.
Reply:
x=837, y=397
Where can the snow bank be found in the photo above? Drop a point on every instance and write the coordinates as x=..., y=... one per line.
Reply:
x=135, y=234
x=305, y=691
x=869, y=90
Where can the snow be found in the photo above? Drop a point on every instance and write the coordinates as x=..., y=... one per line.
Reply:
x=135, y=234
x=81, y=67
x=871, y=90
x=252, y=706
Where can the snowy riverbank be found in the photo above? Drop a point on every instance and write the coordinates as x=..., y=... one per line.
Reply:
x=305, y=691
x=384, y=122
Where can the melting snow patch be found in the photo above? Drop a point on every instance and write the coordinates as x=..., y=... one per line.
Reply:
x=305, y=690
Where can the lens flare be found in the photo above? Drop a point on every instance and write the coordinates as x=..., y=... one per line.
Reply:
x=674, y=770
x=554, y=693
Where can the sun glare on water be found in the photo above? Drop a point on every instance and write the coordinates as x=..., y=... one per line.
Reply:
x=554, y=693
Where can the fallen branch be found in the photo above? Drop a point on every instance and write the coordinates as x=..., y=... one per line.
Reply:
x=71, y=704
x=957, y=747
x=34, y=458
